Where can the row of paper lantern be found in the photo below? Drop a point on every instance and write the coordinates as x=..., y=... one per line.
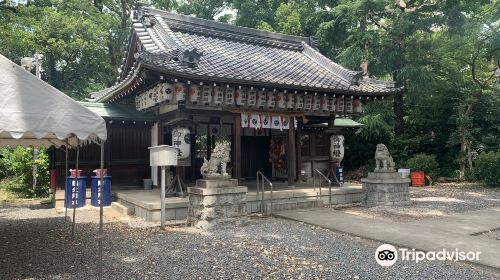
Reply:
x=244, y=97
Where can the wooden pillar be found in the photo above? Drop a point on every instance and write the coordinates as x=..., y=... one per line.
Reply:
x=299, y=152
x=292, y=154
x=237, y=147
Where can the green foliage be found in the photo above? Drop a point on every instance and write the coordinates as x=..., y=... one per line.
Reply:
x=378, y=120
x=425, y=163
x=17, y=165
x=487, y=168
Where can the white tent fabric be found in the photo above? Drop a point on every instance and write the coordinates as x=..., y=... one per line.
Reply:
x=32, y=112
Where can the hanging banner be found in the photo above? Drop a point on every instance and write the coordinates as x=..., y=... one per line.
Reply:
x=276, y=122
x=255, y=121
x=285, y=122
x=245, y=121
x=266, y=121
x=229, y=96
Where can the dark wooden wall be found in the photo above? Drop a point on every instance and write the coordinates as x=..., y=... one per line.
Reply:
x=126, y=155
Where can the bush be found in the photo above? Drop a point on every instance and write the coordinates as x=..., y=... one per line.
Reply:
x=426, y=163
x=17, y=168
x=487, y=168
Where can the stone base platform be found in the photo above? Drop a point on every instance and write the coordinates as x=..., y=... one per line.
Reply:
x=385, y=188
x=216, y=202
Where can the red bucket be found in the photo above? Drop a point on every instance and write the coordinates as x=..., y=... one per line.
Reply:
x=418, y=179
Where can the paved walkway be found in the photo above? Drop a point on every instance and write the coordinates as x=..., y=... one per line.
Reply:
x=451, y=232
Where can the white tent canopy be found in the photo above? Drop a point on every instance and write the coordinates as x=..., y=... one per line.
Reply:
x=33, y=112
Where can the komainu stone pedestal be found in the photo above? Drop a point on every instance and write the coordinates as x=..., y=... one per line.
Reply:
x=385, y=188
x=215, y=203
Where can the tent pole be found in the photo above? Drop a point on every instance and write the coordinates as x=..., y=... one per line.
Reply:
x=65, y=182
x=77, y=188
x=101, y=211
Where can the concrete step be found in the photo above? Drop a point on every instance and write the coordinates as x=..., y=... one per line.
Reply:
x=122, y=209
x=292, y=205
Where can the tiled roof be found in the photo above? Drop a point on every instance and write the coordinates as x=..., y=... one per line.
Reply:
x=241, y=55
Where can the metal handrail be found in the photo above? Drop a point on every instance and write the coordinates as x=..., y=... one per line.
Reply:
x=263, y=177
x=316, y=171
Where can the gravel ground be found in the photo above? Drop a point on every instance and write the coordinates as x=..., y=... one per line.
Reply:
x=435, y=201
x=35, y=244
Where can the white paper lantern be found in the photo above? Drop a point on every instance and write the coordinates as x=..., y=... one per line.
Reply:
x=252, y=98
x=241, y=96
x=333, y=104
x=299, y=102
x=317, y=102
x=181, y=139
x=290, y=98
x=261, y=99
x=270, y=100
x=340, y=105
x=308, y=100
x=348, y=105
x=229, y=96
x=218, y=92
x=194, y=93
x=167, y=92
x=325, y=106
x=180, y=92
x=206, y=95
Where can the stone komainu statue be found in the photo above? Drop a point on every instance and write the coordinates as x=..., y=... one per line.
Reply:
x=216, y=166
x=383, y=159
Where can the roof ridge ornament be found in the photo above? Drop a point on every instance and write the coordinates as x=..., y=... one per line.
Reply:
x=190, y=57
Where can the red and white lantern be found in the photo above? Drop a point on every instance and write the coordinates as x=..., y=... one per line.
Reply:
x=357, y=106
x=194, y=93
x=280, y=100
x=180, y=92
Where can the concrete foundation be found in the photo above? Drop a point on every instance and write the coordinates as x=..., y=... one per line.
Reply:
x=216, y=202
x=385, y=188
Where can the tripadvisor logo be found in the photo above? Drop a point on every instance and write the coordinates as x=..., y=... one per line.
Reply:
x=387, y=255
